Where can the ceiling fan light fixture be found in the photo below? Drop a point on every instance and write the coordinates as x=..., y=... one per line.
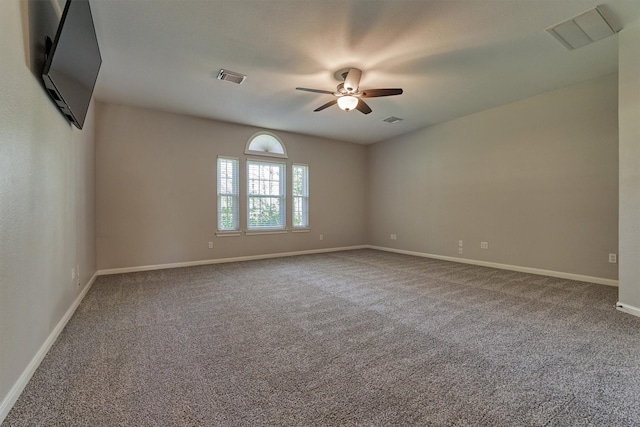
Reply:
x=348, y=94
x=347, y=103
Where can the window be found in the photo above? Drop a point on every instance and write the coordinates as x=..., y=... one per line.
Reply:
x=265, y=144
x=265, y=189
x=300, y=191
x=265, y=195
x=228, y=194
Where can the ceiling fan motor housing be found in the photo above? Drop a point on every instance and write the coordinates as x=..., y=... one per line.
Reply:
x=352, y=81
x=348, y=95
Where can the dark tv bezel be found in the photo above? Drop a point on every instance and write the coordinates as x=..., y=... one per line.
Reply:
x=50, y=85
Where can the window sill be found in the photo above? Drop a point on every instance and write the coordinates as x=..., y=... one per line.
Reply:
x=300, y=230
x=259, y=232
x=228, y=233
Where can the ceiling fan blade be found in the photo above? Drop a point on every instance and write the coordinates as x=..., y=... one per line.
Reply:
x=327, y=105
x=352, y=81
x=315, y=90
x=363, y=107
x=373, y=93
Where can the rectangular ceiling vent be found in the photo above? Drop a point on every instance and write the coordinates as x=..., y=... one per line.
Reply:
x=231, y=76
x=585, y=28
x=392, y=119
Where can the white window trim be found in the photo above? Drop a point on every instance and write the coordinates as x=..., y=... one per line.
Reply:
x=307, y=226
x=266, y=153
x=267, y=230
x=220, y=232
x=228, y=233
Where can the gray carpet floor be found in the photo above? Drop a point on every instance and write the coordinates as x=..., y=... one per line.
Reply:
x=355, y=338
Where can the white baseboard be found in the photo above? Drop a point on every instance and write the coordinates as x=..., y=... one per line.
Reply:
x=551, y=273
x=22, y=381
x=224, y=260
x=629, y=309
x=11, y=397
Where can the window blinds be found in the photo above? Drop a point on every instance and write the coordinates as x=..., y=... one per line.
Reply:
x=300, y=191
x=265, y=195
x=228, y=194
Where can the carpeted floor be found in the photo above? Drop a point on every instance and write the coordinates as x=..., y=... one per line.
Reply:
x=362, y=337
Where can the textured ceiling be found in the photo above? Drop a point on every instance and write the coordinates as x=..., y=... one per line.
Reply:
x=451, y=57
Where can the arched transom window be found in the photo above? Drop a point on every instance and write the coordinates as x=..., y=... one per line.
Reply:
x=266, y=144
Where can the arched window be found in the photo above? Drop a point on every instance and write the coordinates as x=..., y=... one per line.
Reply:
x=266, y=190
x=266, y=144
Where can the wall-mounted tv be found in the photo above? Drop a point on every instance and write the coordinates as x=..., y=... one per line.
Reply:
x=73, y=62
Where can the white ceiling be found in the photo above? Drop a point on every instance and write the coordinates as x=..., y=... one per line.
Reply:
x=451, y=57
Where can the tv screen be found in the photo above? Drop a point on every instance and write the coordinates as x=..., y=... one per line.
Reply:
x=73, y=61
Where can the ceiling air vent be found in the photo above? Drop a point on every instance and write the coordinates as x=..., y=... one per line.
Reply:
x=392, y=119
x=230, y=76
x=585, y=28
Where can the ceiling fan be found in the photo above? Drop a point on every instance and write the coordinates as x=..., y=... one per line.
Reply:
x=348, y=94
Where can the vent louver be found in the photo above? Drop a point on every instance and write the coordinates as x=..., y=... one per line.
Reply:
x=392, y=119
x=230, y=76
x=585, y=28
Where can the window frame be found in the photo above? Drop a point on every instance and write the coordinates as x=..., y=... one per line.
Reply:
x=282, y=196
x=235, y=195
x=249, y=151
x=304, y=197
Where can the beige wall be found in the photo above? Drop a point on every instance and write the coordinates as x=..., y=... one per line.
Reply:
x=629, y=108
x=156, y=187
x=536, y=179
x=47, y=205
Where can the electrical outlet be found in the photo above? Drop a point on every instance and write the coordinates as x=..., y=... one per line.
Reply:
x=460, y=250
x=321, y=237
x=613, y=258
x=78, y=275
x=210, y=245
x=484, y=245
x=73, y=275
x=394, y=237
x=460, y=244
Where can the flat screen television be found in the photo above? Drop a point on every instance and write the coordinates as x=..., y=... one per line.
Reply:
x=73, y=62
